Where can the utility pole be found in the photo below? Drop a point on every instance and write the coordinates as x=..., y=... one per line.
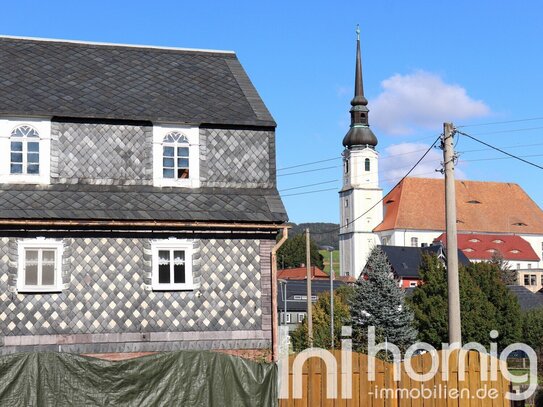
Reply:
x=455, y=333
x=309, y=303
x=332, y=296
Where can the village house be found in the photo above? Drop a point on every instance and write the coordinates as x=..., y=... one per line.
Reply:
x=138, y=201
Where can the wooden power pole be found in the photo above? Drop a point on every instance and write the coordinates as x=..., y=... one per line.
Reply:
x=455, y=332
x=309, y=303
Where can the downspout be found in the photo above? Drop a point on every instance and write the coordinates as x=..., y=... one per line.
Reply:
x=275, y=320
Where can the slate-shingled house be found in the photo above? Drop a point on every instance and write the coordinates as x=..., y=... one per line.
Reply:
x=138, y=202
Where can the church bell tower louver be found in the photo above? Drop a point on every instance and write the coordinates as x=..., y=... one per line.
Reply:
x=361, y=208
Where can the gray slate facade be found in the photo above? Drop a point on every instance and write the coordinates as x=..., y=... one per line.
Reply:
x=102, y=204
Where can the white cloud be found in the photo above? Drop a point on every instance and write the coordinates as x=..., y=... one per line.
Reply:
x=399, y=158
x=421, y=100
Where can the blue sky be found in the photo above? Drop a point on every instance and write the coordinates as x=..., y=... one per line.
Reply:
x=424, y=63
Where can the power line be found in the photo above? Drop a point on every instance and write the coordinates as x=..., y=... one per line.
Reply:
x=501, y=122
x=501, y=151
x=381, y=200
x=501, y=158
x=309, y=163
x=310, y=192
x=329, y=189
x=303, y=172
x=309, y=185
x=508, y=130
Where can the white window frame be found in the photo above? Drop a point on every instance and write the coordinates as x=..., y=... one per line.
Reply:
x=193, y=135
x=43, y=127
x=173, y=244
x=287, y=318
x=36, y=244
x=301, y=317
x=414, y=241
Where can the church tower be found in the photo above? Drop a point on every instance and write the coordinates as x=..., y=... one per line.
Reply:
x=361, y=207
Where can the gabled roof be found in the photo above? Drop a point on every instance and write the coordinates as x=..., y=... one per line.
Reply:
x=88, y=80
x=482, y=246
x=492, y=207
x=297, y=293
x=527, y=299
x=139, y=203
x=406, y=260
x=300, y=273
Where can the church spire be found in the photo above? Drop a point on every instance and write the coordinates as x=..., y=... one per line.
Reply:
x=359, y=135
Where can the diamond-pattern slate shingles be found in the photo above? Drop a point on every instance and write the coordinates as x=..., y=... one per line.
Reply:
x=102, y=152
x=55, y=78
x=238, y=157
x=106, y=291
x=137, y=203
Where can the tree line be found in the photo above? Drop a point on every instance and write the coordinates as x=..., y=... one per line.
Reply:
x=377, y=300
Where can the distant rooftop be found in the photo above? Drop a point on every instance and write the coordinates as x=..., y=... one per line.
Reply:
x=489, y=207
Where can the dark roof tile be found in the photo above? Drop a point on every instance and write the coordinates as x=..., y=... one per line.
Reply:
x=137, y=203
x=70, y=79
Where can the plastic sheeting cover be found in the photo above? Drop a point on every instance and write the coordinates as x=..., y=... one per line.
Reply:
x=184, y=378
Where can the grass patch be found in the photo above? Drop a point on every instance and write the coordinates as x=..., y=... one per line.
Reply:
x=335, y=259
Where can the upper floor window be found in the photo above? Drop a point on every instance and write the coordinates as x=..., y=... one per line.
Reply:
x=367, y=164
x=25, y=150
x=25, y=147
x=39, y=265
x=176, y=156
x=414, y=242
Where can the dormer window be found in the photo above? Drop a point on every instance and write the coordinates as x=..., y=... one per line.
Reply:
x=176, y=154
x=519, y=224
x=474, y=201
x=25, y=149
x=468, y=250
x=474, y=240
x=515, y=251
x=497, y=241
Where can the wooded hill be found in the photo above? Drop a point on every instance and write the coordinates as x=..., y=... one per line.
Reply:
x=330, y=237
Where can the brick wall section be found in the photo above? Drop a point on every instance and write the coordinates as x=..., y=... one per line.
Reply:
x=107, y=298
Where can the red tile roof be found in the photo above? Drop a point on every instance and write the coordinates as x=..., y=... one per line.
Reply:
x=490, y=207
x=481, y=246
x=300, y=273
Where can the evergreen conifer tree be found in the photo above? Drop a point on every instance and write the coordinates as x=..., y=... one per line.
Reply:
x=379, y=302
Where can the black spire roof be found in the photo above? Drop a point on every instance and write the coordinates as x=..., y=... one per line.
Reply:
x=360, y=134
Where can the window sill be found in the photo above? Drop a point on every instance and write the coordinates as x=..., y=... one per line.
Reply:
x=176, y=183
x=185, y=287
x=25, y=179
x=40, y=290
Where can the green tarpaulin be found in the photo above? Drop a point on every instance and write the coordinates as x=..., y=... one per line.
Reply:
x=186, y=378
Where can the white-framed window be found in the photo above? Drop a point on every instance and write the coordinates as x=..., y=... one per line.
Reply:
x=176, y=156
x=25, y=151
x=39, y=265
x=287, y=318
x=414, y=242
x=172, y=265
x=412, y=284
x=301, y=317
